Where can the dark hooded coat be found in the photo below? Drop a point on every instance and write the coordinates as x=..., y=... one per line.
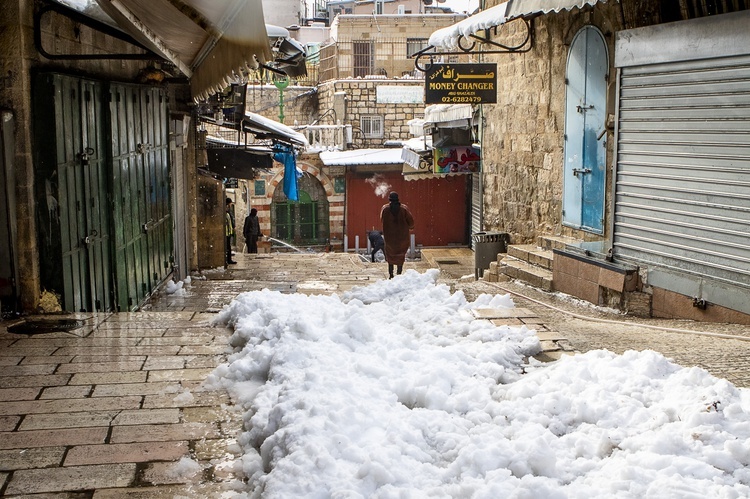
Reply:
x=396, y=232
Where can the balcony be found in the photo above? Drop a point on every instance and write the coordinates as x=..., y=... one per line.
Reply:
x=326, y=137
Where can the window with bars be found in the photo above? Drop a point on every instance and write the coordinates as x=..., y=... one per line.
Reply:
x=363, y=58
x=414, y=45
x=372, y=126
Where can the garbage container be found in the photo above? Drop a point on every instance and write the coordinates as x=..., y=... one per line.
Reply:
x=487, y=245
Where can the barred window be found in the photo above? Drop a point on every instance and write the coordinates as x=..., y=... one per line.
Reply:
x=414, y=45
x=363, y=58
x=372, y=126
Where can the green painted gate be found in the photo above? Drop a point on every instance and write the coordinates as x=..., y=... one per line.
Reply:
x=71, y=185
x=102, y=184
x=140, y=191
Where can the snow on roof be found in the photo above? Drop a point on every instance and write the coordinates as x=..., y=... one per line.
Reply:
x=279, y=128
x=447, y=38
x=362, y=157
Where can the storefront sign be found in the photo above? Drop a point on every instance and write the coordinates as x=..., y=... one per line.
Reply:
x=456, y=159
x=461, y=84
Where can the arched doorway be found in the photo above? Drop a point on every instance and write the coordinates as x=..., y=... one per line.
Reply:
x=584, y=172
x=304, y=222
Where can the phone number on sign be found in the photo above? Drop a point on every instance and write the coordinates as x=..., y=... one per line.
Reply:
x=454, y=100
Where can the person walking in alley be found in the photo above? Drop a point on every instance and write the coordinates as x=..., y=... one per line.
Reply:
x=397, y=222
x=376, y=242
x=229, y=230
x=251, y=231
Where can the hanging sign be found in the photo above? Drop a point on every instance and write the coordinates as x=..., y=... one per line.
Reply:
x=461, y=84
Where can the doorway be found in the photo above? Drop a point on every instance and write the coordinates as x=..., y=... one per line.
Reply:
x=584, y=171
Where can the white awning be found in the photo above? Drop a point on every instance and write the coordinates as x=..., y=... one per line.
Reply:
x=443, y=113
x=447, y=38
x=267, y=128
x=362, y=157
x=209, y=41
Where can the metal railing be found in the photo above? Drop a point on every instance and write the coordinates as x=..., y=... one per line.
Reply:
x=327, y=137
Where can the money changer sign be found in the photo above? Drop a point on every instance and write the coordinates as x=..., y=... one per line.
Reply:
x=461, y=84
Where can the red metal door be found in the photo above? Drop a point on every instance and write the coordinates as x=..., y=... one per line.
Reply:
x=439, y=207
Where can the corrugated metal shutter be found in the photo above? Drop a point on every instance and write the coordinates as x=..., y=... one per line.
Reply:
x=476, y=205
x=683, y=167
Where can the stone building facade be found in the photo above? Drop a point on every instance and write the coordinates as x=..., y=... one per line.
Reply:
x=661, y=245
x=370, y=99
x=378, y=45
x=64, y=42
x=524, y=131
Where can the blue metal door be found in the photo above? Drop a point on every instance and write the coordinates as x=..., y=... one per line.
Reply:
x=584, y=172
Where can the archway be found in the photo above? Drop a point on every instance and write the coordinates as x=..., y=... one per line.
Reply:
x=304, y=222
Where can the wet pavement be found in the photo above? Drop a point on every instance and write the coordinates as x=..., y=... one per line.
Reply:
x=114, y=408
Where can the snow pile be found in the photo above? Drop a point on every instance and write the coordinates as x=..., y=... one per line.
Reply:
x=395, y=390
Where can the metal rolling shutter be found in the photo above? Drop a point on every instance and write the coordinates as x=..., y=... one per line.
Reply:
x=476, y=205
x=682, y=180
x=683, y=167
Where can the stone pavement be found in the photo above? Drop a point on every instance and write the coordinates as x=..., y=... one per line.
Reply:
x=112, y=405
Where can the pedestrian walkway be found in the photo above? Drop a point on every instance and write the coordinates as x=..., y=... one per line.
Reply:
x=112, y=405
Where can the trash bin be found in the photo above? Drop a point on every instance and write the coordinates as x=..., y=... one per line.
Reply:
x=487, y=245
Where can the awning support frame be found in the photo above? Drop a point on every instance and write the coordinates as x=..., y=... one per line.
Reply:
x=477, y=42
x=147, y=55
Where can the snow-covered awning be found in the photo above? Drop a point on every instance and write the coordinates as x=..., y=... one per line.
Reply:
x=464, y=35
x=444, y=113
x=362, y=157
x=209, y=41
x=266, y=128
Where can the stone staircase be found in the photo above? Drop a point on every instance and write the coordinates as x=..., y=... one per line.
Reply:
x=530, y=263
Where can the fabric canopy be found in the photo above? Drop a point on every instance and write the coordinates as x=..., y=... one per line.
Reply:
x=209, y=41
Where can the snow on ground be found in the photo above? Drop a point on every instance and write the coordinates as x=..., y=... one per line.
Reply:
x=394, y=390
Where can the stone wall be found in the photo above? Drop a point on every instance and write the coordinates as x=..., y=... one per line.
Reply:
x=300, y=103
x=524, y=132
x=523, y=136
x=361, y=100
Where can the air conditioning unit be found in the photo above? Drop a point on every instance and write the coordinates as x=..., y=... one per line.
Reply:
x=401, y=10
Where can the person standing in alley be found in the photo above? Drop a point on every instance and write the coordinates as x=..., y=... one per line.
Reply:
x=397, y=222
x=376, y=242
x=229, y=231
x=251, y=231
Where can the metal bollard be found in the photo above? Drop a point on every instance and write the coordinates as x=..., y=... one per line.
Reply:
x=346, y=243
x=413, y=246
x=356, y=244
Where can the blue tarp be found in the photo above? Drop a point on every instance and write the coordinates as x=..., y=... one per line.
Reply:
x=285, y=155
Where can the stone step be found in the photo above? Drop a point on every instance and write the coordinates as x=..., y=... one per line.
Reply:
x=550, y=242
x=533, y=274
x=532, y=254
